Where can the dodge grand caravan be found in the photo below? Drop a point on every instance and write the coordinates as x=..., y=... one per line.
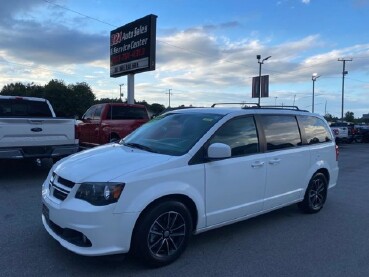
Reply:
x=186, y=172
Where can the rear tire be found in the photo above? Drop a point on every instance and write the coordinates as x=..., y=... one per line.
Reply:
x=162, y=233
x=315, y=195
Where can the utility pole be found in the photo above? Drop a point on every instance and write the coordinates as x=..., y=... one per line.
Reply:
x=344, y=72
x=120, y=92
x=169, y=93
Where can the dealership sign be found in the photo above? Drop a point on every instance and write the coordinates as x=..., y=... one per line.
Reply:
x=132, y=47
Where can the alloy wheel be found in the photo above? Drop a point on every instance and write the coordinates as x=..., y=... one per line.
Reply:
x=166, y=234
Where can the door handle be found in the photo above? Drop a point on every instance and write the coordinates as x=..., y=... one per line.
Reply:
x=257, y=164
x=275, y=161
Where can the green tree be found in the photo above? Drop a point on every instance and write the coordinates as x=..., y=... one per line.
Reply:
x=57, y=93
x=16, y=89
x=20, y=89
x=330, y=118
x=156, y=108
x=349, y=116
x=81, y=98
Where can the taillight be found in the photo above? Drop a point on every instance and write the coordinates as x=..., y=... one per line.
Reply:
x=337, y=152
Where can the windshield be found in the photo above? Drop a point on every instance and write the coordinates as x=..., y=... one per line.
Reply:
x=171, y=134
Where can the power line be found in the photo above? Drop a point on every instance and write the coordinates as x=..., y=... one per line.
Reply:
x=191, y=51
x=81, y=14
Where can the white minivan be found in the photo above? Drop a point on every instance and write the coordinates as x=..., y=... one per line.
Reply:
x=186, y=172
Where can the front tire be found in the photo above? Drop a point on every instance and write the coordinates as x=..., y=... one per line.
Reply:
x=315, y=195
x=162, y=233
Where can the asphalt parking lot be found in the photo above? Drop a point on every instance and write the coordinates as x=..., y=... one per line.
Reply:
x=286, y=242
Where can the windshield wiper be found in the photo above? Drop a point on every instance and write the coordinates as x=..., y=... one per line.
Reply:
x=139, y=146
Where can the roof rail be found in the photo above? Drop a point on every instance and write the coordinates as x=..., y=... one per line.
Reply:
x=281, y=107
x=238, y=103
x=246, y=105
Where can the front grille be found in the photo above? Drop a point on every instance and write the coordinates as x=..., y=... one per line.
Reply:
x=59, y=193
x=60, y=187
x=66, y=182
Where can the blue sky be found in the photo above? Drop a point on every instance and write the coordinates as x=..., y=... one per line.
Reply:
x=206, y=50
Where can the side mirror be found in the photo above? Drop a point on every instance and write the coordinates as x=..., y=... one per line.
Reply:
x=219, y=151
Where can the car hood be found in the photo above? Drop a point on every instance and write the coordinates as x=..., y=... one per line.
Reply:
x=105, y=163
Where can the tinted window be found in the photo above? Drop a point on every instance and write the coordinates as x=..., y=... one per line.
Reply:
x=126, y=112
x=281, y=131
x=240, y=134
x=315, y=129
x=24, y=108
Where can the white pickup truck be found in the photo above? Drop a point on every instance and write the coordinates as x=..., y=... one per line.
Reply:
x=30, y=129
x=342, y=132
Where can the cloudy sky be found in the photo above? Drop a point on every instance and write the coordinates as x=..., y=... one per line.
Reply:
x=206, y=49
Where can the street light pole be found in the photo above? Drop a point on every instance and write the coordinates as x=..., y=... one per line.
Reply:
x=313, y=78
x=258, y=57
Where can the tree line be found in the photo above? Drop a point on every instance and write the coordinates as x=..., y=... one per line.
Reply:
x=70, y=100
x=74, y=99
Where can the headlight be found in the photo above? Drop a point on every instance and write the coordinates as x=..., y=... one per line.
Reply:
x=100, y=194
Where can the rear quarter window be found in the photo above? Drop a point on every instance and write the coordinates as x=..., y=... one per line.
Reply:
x=315, y=129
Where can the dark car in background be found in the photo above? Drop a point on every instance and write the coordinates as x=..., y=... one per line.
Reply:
x=361, y=133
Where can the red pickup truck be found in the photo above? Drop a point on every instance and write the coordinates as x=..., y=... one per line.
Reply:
x=109, y=122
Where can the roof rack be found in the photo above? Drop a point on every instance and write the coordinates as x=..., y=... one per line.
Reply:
x=258, y=106
x=281, y=107
x=239, y=103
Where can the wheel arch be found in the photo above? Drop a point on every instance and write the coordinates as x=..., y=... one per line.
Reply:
x=184, y=199
x=325, y=172
x=314, y=170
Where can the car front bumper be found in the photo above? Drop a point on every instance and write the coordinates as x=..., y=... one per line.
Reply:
x=89, y=231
